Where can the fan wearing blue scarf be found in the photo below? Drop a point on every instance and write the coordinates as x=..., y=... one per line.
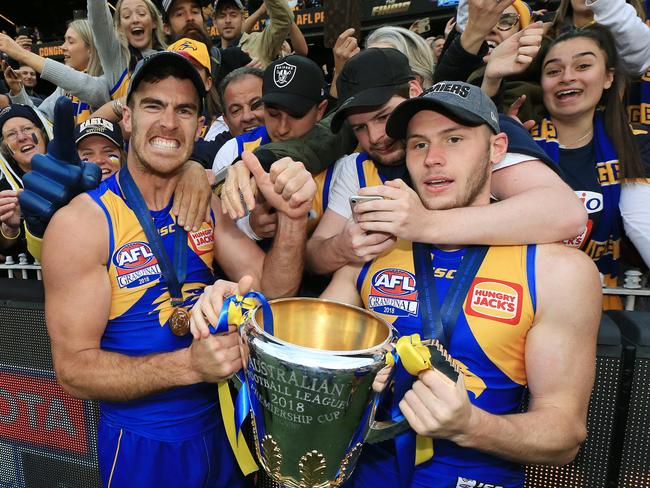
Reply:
x=600, y=156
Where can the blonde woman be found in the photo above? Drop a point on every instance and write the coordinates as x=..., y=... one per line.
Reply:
x=134, y=32
x=79, y=77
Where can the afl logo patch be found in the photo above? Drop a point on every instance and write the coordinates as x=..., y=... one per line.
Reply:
x=393, y=292
x=495, y=300
x=135, y=264
x=283, y=74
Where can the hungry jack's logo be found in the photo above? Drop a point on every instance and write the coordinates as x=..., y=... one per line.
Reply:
x=202, y=241
x=495, y=300
x=393, y=292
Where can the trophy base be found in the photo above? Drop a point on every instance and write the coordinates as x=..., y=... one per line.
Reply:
x=311, y=465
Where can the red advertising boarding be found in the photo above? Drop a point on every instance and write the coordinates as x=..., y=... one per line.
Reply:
x=36, y=411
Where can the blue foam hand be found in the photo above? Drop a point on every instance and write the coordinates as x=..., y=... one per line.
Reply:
x=58, y=176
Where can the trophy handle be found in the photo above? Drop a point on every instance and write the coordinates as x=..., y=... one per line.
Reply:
x=383, y=430
x=379, y=431
x=416, y=356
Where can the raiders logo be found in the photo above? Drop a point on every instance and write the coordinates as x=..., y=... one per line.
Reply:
x=283, y=73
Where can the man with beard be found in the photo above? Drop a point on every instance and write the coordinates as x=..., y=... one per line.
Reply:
x=498, y=317
x=118, y=298
x=531, y=194
x=184, y=18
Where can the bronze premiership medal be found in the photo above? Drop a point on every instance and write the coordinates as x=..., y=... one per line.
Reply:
x=179, y=322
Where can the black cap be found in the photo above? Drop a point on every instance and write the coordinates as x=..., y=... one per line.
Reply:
x=165, y=5
x=467, y=103
x=160, y=60
x=369, y=79
x=97, y=126
x=294, y=83
x=18, y=110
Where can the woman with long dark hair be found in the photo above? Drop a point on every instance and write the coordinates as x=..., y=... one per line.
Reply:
x=587, y=134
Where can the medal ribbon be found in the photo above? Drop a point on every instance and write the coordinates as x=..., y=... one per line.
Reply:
x=173, y=277
x=235, y=310
x=411, y=358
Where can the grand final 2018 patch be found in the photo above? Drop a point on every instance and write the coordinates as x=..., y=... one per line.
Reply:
x=393, y=292
x=495, y=300
x=136, y=265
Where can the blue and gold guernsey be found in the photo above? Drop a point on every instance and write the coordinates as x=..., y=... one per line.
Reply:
x=488, y=343
x=121, y=86
x=139, y=314
x=81, y=109
x=367, y=172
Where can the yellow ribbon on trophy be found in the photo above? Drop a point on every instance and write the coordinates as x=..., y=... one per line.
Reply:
x=415, y=358
x=237, y=308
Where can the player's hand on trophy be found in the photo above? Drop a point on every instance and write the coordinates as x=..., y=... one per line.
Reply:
x=400, y=212
x=437, y=407
x=381, y=379
x=359, y=246
x=192, y=197
x=238, y=192
x=217, y=357
x=207, y=308
x=288, y=187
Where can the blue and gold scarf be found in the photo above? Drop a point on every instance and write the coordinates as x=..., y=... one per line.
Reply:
x=604, y=243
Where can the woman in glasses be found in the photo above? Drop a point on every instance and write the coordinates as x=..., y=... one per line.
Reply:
x=482, y=31
x=22, y=135
x=587, y=134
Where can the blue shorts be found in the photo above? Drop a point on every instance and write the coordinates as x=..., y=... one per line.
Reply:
x=377, y=468
x=127, y=459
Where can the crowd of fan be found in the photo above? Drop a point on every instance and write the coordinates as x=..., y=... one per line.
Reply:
x=499, y=46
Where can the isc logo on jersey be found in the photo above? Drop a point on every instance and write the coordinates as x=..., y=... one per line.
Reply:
x=202, y=241
x=393, y=292
x=135, y=264
x=495, y=300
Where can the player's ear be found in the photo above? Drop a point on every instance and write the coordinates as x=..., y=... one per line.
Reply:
x=199, y=128
x=498, y=147
x=126, y=119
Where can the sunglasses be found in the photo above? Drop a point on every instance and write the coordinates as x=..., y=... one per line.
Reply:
x=507, y=21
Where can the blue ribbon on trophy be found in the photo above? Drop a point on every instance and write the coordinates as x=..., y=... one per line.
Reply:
x=234, y=311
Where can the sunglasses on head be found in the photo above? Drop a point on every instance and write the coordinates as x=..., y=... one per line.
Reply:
x=507, y=21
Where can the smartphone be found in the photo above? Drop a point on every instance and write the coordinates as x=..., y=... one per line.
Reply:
x=354, y=199
x=23, y=30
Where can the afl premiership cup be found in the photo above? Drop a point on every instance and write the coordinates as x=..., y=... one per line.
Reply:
x=310, y=387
